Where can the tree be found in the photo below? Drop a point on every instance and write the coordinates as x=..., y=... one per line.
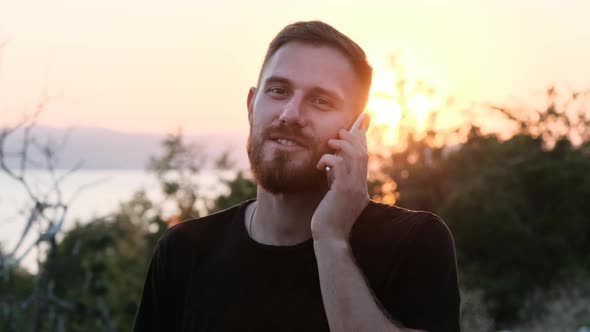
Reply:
x=519, y=217
x=177, y=170
x=564, y=116
x=47, y=209
x=517, y=207
x=101, y=266
x=240, y=188
x=16, y=286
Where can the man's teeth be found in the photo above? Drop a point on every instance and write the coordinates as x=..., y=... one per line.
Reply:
x=286, y=142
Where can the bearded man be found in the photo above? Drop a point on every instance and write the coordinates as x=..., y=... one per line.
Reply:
x=312, y=252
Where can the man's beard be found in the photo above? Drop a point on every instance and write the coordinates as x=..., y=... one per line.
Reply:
x=277, y=175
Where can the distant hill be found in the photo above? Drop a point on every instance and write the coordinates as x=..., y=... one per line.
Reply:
x=101, y=148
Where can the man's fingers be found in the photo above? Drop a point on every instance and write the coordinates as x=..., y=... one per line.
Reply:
x=336, y=163
x=366, y=122
x=361, y=123
x=351, y=149
x=345, y=147
x=358, y=138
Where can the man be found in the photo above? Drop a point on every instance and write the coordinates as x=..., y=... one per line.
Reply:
x=309, y=254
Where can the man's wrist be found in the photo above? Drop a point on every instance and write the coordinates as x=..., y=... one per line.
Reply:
x=335, y=245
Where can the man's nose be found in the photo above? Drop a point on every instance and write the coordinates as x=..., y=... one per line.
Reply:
x=293, y=112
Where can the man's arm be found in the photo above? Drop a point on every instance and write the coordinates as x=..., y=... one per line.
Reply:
x=348, y=300
x=431, y=299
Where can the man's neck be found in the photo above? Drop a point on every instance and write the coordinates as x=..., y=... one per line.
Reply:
x=282, y=220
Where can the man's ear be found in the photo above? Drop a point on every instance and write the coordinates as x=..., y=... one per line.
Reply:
x=251, y=99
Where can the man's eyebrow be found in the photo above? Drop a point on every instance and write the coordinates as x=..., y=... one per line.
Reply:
x=276, y=79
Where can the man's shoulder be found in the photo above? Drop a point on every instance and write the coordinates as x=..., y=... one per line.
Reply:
x=386, y=216
x=390, y=225
x=200, y=231
x=408, y=256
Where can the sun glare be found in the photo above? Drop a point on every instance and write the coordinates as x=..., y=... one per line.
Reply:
x=385, y=111
x=382, y=104
x=420, y=106
x=391, y=101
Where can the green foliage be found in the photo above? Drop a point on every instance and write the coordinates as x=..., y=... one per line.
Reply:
x=520, y=221
x=240, y=189
x=15, y=288
x=519, y=213
x=100, y=267
x=177, y=168
x=562, y=308
x=475, y=312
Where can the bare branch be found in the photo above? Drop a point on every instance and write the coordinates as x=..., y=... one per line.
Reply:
x=25, y=148
x=508, y=113
x=32, y=218
x=71, y=171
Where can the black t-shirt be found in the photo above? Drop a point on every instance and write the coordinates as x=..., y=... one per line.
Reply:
x=207, y=274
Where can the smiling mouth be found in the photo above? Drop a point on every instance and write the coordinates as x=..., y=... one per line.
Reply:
x=286, y=142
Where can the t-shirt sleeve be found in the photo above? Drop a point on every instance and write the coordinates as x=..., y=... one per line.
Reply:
x=151, y=312
x=161, y=303
x=423, y=290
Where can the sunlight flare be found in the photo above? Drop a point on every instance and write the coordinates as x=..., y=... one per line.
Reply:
x=397, y=104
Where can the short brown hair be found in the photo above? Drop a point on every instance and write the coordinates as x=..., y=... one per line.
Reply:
x=323, y=34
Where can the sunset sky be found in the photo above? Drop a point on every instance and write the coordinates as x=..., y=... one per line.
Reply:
x=151, y=66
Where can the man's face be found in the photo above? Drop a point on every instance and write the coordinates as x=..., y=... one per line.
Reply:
x=306, y=93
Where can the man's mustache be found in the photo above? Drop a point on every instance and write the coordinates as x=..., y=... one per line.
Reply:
x=289, y=132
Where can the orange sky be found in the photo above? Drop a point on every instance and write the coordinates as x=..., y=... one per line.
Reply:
x=151, y=66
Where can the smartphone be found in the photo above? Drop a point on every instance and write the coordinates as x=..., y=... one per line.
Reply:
x=360, y=120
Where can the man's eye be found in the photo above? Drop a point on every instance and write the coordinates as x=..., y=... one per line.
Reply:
x=321, y=102
x=277, y=91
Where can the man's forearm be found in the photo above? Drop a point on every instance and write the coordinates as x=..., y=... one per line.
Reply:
x=348, y=301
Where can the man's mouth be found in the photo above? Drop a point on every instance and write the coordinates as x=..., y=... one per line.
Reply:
x=286, y=142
